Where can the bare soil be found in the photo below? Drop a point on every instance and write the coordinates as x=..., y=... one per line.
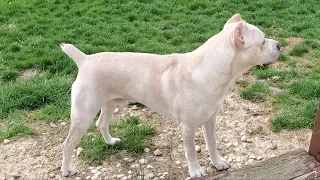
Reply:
x=291, y=43
x=28, y=73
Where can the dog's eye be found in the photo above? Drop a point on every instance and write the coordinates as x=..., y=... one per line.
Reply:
x=264, y=41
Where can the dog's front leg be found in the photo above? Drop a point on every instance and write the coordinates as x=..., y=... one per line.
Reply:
x=190, y=152
x=210, y=138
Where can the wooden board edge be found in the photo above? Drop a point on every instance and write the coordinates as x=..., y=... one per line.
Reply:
x=314, y=148
x=297, y=152
x=313, y=175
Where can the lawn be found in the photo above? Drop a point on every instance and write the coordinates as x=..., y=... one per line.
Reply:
x=31, y=31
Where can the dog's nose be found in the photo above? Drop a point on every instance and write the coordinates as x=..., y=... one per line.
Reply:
x=278, y=46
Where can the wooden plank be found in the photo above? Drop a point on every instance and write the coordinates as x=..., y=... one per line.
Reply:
x=286, y=166
x=314, y=149
x=315, y=174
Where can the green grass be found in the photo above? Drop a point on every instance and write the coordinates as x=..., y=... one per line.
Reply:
x=243, y=83
x=31, y=31
x=34, y=93
x=317, y=53
x=16, y=126
x=297, y=107
x=295, y=114
x=314, y=73
x=257, y=92
x=268, y=72
x=299, y=50
x=134, y=138
x=304, y=47
x=9, y=75
x=306, y=89
x=292, y=63
x=283, y=42
x=283, y=57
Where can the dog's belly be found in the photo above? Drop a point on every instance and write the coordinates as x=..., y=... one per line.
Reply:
x=163, y=110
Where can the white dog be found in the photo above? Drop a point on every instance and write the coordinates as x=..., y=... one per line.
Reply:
x=188, y=88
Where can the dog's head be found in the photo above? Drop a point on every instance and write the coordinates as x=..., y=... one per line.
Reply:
x=251, y=46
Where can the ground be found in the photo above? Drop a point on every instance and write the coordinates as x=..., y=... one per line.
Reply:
x=39, y=157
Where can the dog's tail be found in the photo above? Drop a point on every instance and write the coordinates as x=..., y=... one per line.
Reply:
x=74, y=53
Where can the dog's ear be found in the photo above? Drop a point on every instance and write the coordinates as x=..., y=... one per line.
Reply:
x=238, y=35
x=234, y=18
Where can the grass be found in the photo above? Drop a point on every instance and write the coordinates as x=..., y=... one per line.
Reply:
x=134, y=138
x=309, y=89
x=34, y=93
x=31, y=31
x=9, y=75
x=295, y=114
x=298, y=106
x=283, y=57
x=16, y=126
x=242, y=83
x=257, y=92
x=299, y=50
x=267, y=72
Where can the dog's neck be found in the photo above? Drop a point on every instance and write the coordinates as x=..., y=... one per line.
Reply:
x=217, y=64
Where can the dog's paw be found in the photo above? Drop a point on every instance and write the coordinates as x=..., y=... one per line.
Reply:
x=113, y=141
x=68, y=172
x=196, y=171
x=220, y=163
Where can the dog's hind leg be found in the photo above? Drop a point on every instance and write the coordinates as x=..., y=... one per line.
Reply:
x=83, y=110
x=104, y=121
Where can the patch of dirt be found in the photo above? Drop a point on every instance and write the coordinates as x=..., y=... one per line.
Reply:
x=291, y=42
x=39, y=157
x=12, y=26
x=281, y=65
x=28, y=73
x=302, y=61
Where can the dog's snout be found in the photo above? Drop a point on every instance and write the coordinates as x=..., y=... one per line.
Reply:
x=278, y=46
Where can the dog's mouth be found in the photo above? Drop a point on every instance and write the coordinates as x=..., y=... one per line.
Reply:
x=267, y=64
x=264, y=65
